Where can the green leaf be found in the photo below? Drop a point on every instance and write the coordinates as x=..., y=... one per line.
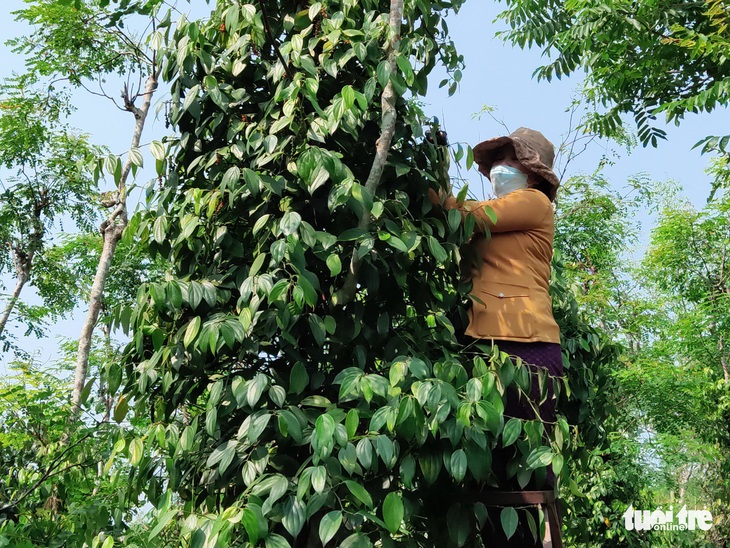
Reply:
x=158, y=150
x=437, y=250
x=277, y=395
x=458, y=465
x=260, y=223
x=316, y=326
x=162, y=521
x=310, y=293
x=359, y=492
x=231, y=176
x=276, y=541
x=319, y=478
x=294, y=516
x=294, y=429
x=511, y=432
x=469, y=158
x=348, y=96
x=135, y=156
x=457, y=520
x=191, y=331
x=362, y=195
x=120, y=411
x=509, y=519
x=187, y=439
x=383, y=73
x=251, y=524
x=454, y=219
x=329, y=525
x=385, y=449
x=195, y=294
x=324, y=429
x=255, y=388
x=397, y=243
x=352, y=421
x=334, y=264
x=356, y=540
x=290, y=222
x=114, y=378
x=159, y=229
x=490, y=415
x=174, y=294
x=393, y=512
x=257, y=264
x=557, y=464
x=298, y=378
x=211, y=421
x=365, y=453
x=136, y=450
x=540, y=456
x=491, y=214
x=405, y=66
x=87, y=390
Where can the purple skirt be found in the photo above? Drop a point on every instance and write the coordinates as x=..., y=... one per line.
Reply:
x=543, y=355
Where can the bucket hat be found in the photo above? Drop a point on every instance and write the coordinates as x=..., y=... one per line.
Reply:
x=532, y=150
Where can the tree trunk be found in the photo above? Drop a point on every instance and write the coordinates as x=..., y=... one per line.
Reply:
x=22, y=260
x=11, y=303
x=723, y=360
x=111, y=229
x=382, y=146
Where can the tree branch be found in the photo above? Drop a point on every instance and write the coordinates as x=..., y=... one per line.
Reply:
x=112, y=233
x=48, y=473
x=267, y=28
x=382, y=147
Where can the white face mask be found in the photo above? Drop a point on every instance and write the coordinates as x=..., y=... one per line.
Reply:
x=506, y=179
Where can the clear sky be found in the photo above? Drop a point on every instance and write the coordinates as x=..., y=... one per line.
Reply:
x=496, y=75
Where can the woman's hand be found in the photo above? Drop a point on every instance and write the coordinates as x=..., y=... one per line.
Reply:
x=435, y=198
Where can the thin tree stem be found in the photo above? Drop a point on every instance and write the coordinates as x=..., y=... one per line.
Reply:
x=12, y=302
x=723, y=360
x=111, y=229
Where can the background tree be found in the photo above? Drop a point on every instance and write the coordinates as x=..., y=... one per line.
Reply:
x=641, y=58
x=687, y=395
x=59, y=487
x=79, y=43
x=49, y=179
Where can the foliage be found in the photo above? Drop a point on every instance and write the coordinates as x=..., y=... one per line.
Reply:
x=685, y=267
x=595, y=231
x=57, y=487
x=49, y=181
x=632, y=52
x=257, y=408
x=663, y=442
x=285, y=417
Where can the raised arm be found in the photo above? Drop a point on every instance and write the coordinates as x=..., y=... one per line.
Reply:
x=519, y=210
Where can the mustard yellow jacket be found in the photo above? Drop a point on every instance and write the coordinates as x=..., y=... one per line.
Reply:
x=512, y=282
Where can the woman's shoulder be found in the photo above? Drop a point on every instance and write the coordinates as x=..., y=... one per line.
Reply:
x=537, y=194
x=530, y=197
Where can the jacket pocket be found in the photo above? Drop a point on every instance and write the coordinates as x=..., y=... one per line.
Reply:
x=507, y=311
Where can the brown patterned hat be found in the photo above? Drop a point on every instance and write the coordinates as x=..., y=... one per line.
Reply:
x=532, y=150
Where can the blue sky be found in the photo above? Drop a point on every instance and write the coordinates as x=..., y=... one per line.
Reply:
x=496, y=76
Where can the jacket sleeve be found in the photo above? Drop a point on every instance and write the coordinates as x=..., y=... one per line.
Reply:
x=519, y=210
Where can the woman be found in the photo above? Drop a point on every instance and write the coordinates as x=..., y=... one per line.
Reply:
x=514, y=309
